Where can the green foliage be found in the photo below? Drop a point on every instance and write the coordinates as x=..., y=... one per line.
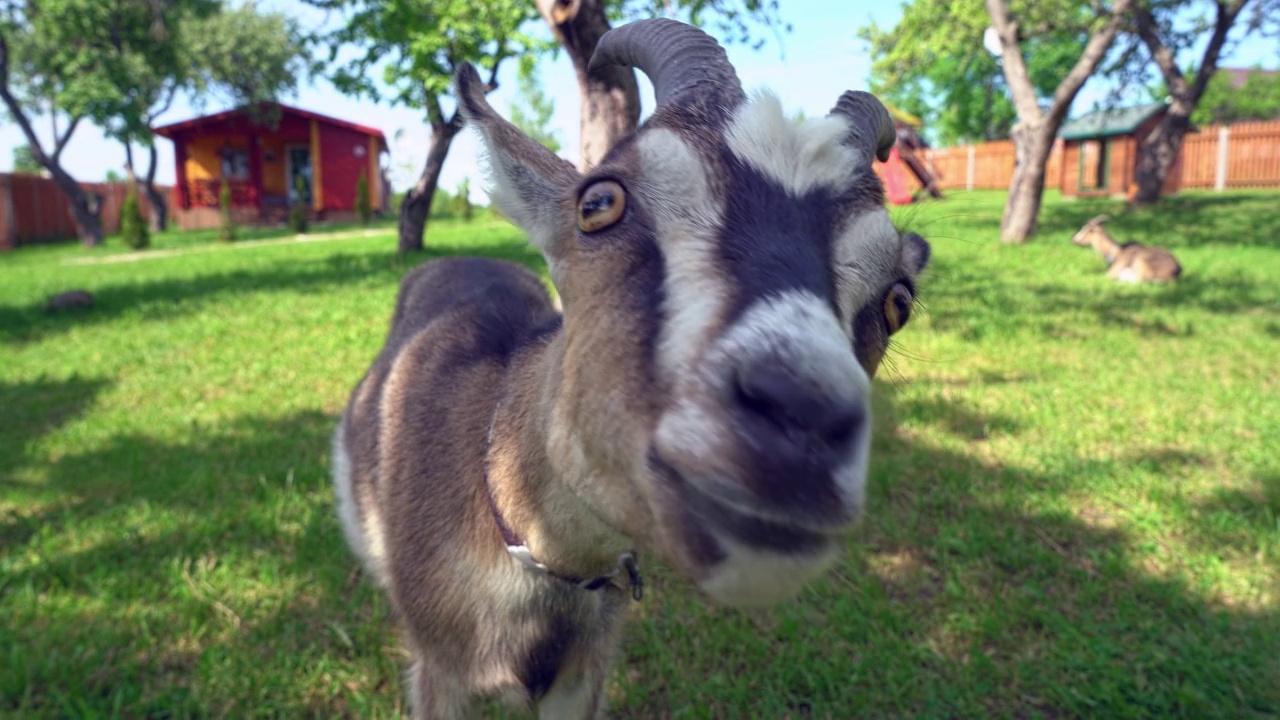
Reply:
x=121, y=64
x=729, y=20
x=299, y=213
x=247, y=55
x=1071, y=509
x=133, y=226
x=24, y=161
x=114, y=176
x=363, y=209
x=933, y=65
x=462, y=200
x=227, y=223
x=1257, y=99
x=533, y=108
x=419, y=43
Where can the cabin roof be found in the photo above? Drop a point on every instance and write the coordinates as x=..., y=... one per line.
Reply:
x=1103, y=123
x=172, y=129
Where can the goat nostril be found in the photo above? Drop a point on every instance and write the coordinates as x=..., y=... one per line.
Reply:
x=839, y=425
x=764, y=393
x=791, y=405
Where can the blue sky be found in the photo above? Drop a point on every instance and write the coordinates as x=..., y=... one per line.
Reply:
x=808, y=68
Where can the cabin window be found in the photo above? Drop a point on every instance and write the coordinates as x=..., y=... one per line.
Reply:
x=235, y=164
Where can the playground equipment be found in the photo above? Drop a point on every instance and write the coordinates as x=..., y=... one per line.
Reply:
x=907, y=156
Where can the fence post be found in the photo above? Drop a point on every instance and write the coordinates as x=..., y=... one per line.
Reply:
x=968, y=176
x=1220, y=179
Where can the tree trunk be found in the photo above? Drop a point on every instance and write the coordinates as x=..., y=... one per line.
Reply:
x=610, y=97
x=147, y=186
x=1159, y=150
x=1157, y=155
x=86, y=211
x=416, y=207
x=1036, y=127
x=159, y=208
x=1032, y=145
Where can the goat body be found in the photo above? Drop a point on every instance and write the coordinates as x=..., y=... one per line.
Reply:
x=1131, y=262
x=730, y=281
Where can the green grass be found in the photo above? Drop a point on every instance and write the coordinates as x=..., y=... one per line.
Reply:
x=1075, y=507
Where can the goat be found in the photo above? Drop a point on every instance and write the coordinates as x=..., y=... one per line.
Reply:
x=730, y=281
x=1130, y=262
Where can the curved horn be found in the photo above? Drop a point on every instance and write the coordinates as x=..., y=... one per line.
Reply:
x=676, y=57
x=872, y=125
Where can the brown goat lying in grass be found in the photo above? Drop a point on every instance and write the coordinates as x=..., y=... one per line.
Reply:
x=1128, y=262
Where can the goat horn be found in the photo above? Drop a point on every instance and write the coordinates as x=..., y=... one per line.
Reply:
x=872, y=129
x=676, y=58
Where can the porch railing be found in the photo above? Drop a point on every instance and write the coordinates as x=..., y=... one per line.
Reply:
x=204, y=193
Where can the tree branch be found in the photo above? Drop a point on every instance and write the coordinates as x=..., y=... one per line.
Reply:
x=151, y=164
x=1015, y=66
x=1164, y=57
x=1094, y=50
x=61, y=143
x=15, y=108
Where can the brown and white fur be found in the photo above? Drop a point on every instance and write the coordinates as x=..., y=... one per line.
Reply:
x=1130, y=262
x=704, y=397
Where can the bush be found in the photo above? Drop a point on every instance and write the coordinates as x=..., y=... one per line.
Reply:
x=133, y=227
x=227, y=228
x=462, y=206
x=362, y=200
x=298, y=214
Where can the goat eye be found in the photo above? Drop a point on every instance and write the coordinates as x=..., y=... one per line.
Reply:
x=601, y=206
x=897, y=307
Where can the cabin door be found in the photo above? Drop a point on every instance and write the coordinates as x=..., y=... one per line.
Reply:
x=298, y=165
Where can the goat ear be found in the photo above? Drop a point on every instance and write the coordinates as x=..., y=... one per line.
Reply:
x=915, y=253
x=529, y=182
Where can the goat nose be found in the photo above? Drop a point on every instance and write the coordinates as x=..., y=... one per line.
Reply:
x=798, y=409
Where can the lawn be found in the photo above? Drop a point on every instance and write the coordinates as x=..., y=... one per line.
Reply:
x=1075, y=506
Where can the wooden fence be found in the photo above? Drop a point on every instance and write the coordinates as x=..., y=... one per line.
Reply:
x=1242, y=155
x=34, y=210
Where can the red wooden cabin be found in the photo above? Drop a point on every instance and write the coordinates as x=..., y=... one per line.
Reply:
x=262, y=155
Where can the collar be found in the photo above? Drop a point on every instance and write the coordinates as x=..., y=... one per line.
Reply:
x=520, y=552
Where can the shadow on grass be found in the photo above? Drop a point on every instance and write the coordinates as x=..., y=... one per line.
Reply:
x=163, y=299
x=208, y=577
x=35, y=408
x=979, y=306
x=968, y=592
x=1189, y=220
x=199, y=577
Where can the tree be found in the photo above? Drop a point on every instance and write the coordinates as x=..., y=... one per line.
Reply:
x=1154, y=22
x=133, y=227
x=1022, y=29
x=959, y=90
x=1034, y=132
x=49, y=64
x=422, y=42
x=242, y=56
x=462, y=200
x=24, y=161
x=299, y=216
x=363, y=210
x=119, y=64
x=1258, y=98
x=226, y=221
x=533, y=110
x=610, y=96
